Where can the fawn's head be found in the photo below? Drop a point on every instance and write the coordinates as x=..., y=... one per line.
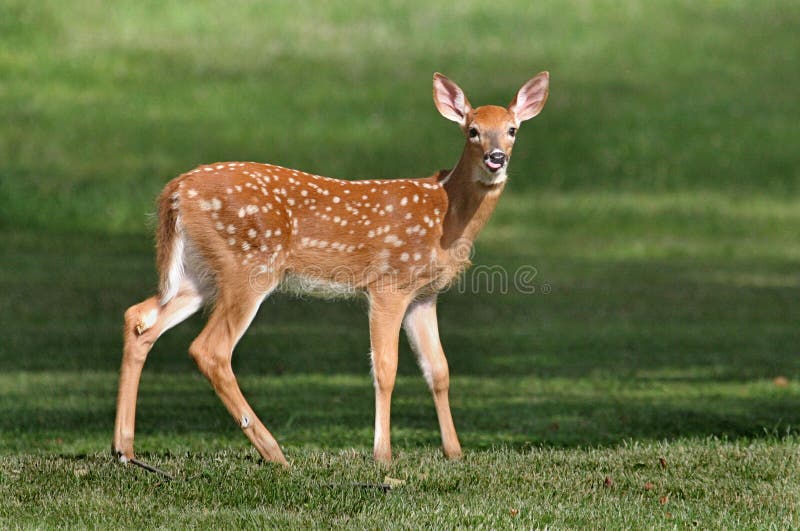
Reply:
x=490, y=130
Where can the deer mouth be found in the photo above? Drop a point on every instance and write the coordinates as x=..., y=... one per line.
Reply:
x=494, y=166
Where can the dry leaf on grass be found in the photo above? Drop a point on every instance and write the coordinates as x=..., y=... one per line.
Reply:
x=393, y=482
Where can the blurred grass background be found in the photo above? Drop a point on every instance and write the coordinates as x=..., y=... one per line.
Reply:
x=102, y=102
x=656, y=196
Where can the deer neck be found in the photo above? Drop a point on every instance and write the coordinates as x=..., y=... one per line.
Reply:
x=470, y=202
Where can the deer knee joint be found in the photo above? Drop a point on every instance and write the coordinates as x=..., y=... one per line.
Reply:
x=439, y=378
x=201, y=357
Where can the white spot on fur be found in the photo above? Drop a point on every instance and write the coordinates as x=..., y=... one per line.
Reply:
x=391, y=238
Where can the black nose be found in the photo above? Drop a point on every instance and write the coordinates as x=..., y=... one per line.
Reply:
x=497, y=157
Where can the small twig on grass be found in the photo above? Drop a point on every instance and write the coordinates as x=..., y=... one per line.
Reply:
x=151, y=468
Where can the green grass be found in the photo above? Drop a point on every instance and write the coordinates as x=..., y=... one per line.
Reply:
x=639, y=351
x=655, y=199
x=705, y=484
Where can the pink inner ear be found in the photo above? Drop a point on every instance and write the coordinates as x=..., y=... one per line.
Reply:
x=448, y=97
x=451, y=100
x=530, y=98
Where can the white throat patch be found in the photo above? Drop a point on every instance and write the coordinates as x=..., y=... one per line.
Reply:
x=490, y=179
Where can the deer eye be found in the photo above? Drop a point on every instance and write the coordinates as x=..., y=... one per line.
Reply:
x=512, y=131
x=473, y=133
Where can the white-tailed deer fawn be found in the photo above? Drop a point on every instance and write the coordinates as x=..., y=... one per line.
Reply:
x=231, y=233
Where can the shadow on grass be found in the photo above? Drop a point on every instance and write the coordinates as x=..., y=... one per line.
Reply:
x=335, y=411
x=617, y=350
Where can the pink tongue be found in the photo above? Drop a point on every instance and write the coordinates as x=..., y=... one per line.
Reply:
x=493, y=165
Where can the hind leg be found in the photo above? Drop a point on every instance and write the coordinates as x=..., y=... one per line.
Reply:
x=212, y=351
x=144, y=323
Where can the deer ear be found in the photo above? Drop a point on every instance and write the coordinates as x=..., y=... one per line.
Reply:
x=450, y=99
x=531, y=97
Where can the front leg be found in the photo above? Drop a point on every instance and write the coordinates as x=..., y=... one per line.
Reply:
x=385, y=317
x=422, y=328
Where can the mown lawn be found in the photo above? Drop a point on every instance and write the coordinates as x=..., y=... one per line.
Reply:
x=651, y=378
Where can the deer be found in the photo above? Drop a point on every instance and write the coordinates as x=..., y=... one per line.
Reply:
x=230, y=234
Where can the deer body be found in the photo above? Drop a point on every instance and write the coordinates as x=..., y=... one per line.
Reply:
x=234, y=232
x=315, y=234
